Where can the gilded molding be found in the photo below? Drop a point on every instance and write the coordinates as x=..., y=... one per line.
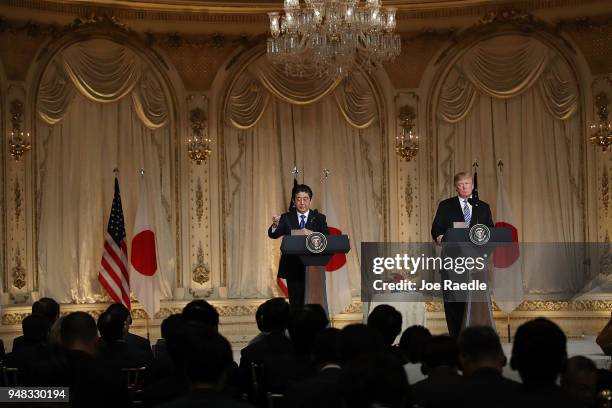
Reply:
x=409, y=198
x=605, y=190
x=18, y=201
x=354, y=307
x=19, y=275
x=201, y=272
x=199, y=201
x=544, y=306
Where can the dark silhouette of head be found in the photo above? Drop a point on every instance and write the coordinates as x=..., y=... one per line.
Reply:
x=48, y=308
x=387, y=320
x=261, y=325
x=36, y=328
x=79, y=332
x=275, y=315
x=580, y=380
x=305, y=324
x=120, y=310
x=440, y=351
x=374, y=379
x=412, y=343
x=539, y=351
x=358, y=339
x=111, y=326
x=326, y=347
x=202, y=352
x=170, y=325
x=479, y=347
x=203, y=312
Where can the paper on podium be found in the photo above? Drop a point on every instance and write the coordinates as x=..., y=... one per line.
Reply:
x=299, y=231
x=459, y=224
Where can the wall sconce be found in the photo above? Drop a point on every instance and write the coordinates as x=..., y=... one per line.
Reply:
x=602, y=130
x=19, y=141
x=407, y=142
x=198, y=145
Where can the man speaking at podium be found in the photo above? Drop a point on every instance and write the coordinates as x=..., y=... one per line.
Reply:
x=468, y=210
x=299, y=217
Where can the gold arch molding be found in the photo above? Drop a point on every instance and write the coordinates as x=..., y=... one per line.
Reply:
x=164, y=72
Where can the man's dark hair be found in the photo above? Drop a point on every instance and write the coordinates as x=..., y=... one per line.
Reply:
x=539, y=351
x=110, y=326
x=261, y=325
x=387, y=320
x=203, y=312
x=441, y=351
x=78, y=326
x=36, y=328
x=301, y=188
x=206, y=355
x=275, y=314
x=326, y=347
x=480, y=342
x=375, y=379
x=170, y=325
x=120, y=310
x=576, y=365
x=305, y=324
x=358, y=339
x=412, y=343
x=48, y=308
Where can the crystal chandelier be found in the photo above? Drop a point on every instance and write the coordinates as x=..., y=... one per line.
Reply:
x=602, y=135
x=407, y=142
x=328, y=37
x=198, y=146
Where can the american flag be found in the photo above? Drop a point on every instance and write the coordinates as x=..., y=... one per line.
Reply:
x=113, y=274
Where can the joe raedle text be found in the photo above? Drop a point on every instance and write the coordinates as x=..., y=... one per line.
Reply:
x=406, y=285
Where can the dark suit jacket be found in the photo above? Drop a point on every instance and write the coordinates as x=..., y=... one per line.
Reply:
x=135, y=341
x=320, y=391
x=450, y=211
x=442, y=388
x=205, y=398
x=290, y=266
x=486, y=388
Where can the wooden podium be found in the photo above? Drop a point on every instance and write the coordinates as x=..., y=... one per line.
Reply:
x=456, y=243
x=314, y=263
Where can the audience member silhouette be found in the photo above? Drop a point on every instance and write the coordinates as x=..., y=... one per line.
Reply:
x=482, y=358
x=374, y=380
x=412, y=344
x=440, y=359
x=579, y=380
x=539, y=353
x=91, y=383
x=273, y=355
x=203, y=312
x=320, y=391
x=356, y=340
x=46, y=307
x=163, y=366
x=33, y=346
x=113, y=350
x=207, y=360
x=134, y=341
x=304, y=325
x=388, y=321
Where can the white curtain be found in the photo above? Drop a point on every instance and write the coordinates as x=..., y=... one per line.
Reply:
x=259, y=180
x=514, y=99
x=99, y=107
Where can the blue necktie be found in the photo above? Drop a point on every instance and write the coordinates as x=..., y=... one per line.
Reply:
x=466, y=213
x=302, y=221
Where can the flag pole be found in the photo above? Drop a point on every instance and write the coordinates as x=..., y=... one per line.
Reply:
x=147, y=326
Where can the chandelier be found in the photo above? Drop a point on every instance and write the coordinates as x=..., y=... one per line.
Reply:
x=328, y=37
x=198, y=146
x=602, y=135
x=407, y=142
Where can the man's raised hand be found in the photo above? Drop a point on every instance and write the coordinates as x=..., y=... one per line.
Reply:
x=275, y=220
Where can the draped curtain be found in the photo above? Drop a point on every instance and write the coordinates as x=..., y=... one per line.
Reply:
x=515, y=99
x=275, y=122
x=99, y=107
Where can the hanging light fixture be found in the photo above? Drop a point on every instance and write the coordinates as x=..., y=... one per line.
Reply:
x=407, y=142
x=198, y=145
x=328, y=37
x=602, y=130
x=19, y=141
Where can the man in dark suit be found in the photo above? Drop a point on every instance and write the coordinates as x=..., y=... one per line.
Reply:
x=302, y=217
x=461, y=208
